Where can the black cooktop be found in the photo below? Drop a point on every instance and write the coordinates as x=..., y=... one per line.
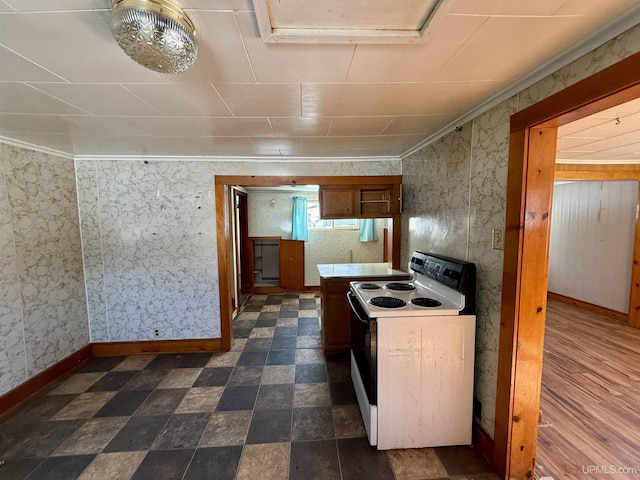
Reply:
x=387, y=302
x=400, y=287
x=426, y=302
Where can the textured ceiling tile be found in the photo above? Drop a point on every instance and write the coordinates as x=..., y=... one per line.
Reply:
x=286, y=63
x=261, y=99
x=83, y=51
x=348, y=126
x=17, y=69
x=20, y=98
x=242, y=127
x=300, y=126
x=414, y=63
x=221, y=57
x=418, y=124
x=99, y=99
x=182, y=99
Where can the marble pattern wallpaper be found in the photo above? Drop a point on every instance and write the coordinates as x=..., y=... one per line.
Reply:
x=43, y=313
x=150, y=249
x=92, y=250
x=455, y=194
x=13, y=360
x=149, y=241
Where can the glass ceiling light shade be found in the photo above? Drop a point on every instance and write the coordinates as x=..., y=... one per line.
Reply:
x=157, y=34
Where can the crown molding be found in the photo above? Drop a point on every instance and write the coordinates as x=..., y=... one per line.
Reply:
x=169, y=158
x=36, y=148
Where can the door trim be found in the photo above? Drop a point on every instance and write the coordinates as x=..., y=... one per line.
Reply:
x=222, y=186
x=529, y=194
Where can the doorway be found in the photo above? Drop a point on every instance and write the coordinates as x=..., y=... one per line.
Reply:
x=225, y=185
x=532, y=148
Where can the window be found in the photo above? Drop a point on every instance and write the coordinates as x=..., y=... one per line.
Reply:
x=317, y=223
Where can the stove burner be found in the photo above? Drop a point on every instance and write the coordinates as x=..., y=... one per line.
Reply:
x=425, y=302
x=387, y=302
x=400, y=287
x=369, y=286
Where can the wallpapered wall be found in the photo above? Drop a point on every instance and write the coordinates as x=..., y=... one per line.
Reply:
x=324, y=246
x=43, y=312
x=149, y=239
x=455, y=194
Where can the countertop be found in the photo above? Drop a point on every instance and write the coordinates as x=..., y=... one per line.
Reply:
x=354, y=270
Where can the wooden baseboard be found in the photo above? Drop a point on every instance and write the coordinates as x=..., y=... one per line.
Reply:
x=265, y=290
x=32, y=386
x=18, y=395
x=110, y=349
x=605, y=312
x=482, y=442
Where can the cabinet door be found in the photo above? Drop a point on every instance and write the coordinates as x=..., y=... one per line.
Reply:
x=396, y=199
x=336, y=323
x=292, y=264
x=337, y=202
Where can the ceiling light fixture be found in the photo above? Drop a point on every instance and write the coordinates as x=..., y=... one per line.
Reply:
x=157, y=34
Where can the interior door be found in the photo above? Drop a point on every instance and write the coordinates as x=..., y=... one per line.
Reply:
x=292, y=264
x=245, y=264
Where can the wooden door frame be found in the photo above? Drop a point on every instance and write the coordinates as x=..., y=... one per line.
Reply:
x=222, y=186
x=529, y=193
x=244, y=260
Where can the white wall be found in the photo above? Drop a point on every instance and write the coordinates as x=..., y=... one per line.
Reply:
x=592, y=237
x=43, y=312
x=270, y=221
x=455, y=194
x=324, y=246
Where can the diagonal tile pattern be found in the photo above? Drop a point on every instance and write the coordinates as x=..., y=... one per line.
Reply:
x=272, y=408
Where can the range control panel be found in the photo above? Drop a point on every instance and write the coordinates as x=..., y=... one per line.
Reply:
x=456, y=274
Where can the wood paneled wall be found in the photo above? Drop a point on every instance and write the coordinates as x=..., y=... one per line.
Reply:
x=592, y=237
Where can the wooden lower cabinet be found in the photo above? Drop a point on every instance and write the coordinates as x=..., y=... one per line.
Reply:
x=335, y=313
x=335, y=316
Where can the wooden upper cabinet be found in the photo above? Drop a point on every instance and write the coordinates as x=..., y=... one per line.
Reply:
x=360, y=201
x=337, y=202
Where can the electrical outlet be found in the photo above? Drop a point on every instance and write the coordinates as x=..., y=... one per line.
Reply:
x=156, y=332
x=497, y=239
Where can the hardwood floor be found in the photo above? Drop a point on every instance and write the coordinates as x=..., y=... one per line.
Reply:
x=590, y=401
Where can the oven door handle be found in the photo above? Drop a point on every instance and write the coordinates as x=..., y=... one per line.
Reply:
x=357, y=309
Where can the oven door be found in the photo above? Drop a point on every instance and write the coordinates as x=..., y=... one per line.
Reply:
x=364, y=365
x=363, y=345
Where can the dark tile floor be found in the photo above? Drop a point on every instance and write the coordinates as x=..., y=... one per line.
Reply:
x=272, y=408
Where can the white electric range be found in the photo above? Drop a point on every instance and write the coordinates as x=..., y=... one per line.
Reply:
x=413, y=353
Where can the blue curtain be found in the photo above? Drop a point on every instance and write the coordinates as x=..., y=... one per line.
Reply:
x=368, y=230
x=299, y=223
